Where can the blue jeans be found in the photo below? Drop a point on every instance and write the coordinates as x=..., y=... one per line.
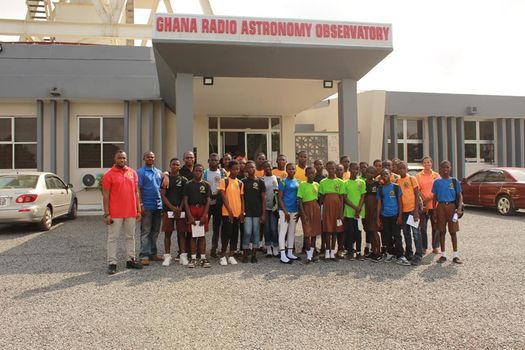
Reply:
x=149, y=232
x=408, y=231
x=271, y=233
x=252, y=227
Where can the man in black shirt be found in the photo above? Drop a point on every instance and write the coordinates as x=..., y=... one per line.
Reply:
x=187, y=169
x=173, y=216
x=197, y=193
x=255, y=211
x=319, y=170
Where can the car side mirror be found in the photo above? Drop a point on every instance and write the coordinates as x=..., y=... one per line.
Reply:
x=69, y=185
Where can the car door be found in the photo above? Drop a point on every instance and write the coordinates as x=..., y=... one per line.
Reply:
x=490, y=188
x=63, y=197
x=52, y=194
x=471, y=187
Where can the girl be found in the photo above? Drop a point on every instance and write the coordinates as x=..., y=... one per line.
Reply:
x=331, y=190
x=288, y=214
x=370, y=220
x=310, y=210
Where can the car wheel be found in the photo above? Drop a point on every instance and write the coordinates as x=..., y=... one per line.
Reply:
x=47, y=220
x=73, y=212
x=505, y=205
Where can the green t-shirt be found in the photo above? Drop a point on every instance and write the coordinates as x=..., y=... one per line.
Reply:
x=327, y=186
x=353, y=191
x=308, y=191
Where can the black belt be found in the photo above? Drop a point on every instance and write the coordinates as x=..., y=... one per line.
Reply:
x=447, y=202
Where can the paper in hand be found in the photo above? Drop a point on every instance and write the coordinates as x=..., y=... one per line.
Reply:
x=411, y=222
x=197, y=230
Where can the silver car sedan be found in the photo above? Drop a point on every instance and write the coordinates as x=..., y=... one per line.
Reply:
x=35, y=197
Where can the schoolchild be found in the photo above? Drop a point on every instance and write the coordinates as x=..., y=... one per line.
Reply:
x=449, y=198
x=271, y=233
x=390, y=218
x=232, y=191
x=310, y=210
x=370, y=221
x=197, y=193
x=425, y=179
x=345, y=162
x=280, y=171
x=174, y=216
x=259, y=161
x=354, y=190
x=319, y=170
x=331, y=190
x=213, y=176
x=302, y=158
x=288, y=214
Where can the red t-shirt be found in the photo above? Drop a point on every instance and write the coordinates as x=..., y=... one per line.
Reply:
x=122, y=185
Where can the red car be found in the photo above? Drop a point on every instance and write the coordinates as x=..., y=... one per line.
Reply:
x=503, y=188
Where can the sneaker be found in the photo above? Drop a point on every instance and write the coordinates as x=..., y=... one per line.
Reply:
x=213, y=253
x=457, y=261
x=358, y=256
x=436, y=251
x=177, y=258
x=156, y=258
x=144, y=261
x=184, y=260
x=367, y=252
x=167, y=260
x=293, y=257
x=112, y=269
x=133, y=264
x=232, y=260
x=340, y=254
x=376, y=258
x=285, y=262
x=403, y=261
x=275, y=251
x=416, y=261
x=307, y=261
x=441, y=260
x=253, y=259
x=244, y=259
x=205, y=263
x=389, y=258
x=351, y=256
x=192, y=263
x=223, y=261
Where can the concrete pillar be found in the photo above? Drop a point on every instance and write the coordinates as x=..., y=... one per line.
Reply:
x=126, y=126
x=162, y=134
x=151, y=127
x=40, y=135
x=441, y=139
x=386, y=127
x=520, y=142
x=460, y=139
x=67, y=170
x=139, y=149
x=347, y=111
x=510, y=144
x=452, y=145
x=501, y=142
x=433, y=141
x=53, y=136
x=393, y=137
x=184, y=113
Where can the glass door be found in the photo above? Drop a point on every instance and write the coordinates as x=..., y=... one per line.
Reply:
x=256, y=143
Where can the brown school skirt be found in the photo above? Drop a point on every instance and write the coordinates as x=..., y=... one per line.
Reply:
x=311, y=219
x=444, y=213
x=370, y=220
x=331, y=212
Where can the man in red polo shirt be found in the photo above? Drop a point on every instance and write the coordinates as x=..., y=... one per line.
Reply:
x=121, y=210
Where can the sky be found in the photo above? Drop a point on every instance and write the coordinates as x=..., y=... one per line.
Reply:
x=446, y=46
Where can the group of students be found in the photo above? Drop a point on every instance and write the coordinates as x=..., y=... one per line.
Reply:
x=252, y=201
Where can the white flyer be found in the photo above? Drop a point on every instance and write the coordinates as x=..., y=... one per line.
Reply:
x=197, y=230
x=411, y=222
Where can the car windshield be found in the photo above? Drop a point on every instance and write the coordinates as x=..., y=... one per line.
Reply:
x=519, y=175
x=18, y=181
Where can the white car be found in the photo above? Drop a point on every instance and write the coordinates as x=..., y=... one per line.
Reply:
x=35, y=197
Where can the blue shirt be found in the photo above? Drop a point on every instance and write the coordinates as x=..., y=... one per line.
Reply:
x=389, y=204
x=150, y=179
x=444, y=189
x=289, y=189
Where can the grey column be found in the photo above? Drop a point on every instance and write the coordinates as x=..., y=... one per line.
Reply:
x=126, y=126
x=441, y=139
x=452, y=145
x=151, y=125
x=501, y=142
x=460, y=137
x=393, y=137
x=139, y=134
x=519, y=141
x=40, y=135
x=347, y=112
x=65, y=111
x=433, y=141
x=184, y=112
x=162, y=134
x=386, y=127
x=53, y=136
x=511, y=145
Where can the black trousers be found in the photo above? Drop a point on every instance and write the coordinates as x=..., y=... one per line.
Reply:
x=215, y=212
x=229, y=234
x=352, y=235
x=423, y=226
x=392, y=236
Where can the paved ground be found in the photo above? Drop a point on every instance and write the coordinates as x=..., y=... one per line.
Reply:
x=54, y=293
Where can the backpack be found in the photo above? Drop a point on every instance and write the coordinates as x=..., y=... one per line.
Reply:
x=454, y=184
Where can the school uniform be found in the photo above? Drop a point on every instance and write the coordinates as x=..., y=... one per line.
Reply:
x=331, y=189
x=289, y=188
x=197, y=194
x=391, y=234
x=370, y=219
x=408, y=185
x=300, y=173
x=253, y=190
x=233, y=190
x=308, y=193
x=215, y=210
x=174, y=193
x=319, y=177
x=446, y=191
x=280, y=174
x=353, y=191
x=425, y=182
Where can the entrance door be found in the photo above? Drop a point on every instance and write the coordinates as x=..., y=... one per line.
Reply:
x=233, y=142
x=256, y=143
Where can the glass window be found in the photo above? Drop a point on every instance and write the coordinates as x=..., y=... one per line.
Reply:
x=276, y=123
x=89, y=129
x=495, y=176
x=244, y=123
x=414, y=152
x=59, y=183
x=89, y=155
x=400, y=151
x=387, y=128
x=213, y=146
x=471, y=154
x=25, y=129
x=108, y=155
x=25, y=156
x=470, y=130
x=487, y=153
x=414, y=129
x=276, y=147
x=18, y=181
x=113, y=129
x=486, y=131
x=400, y=128
x=213, y=123
x=478, y=177
x=5, y=129
x=50, y=183
x=6, y=156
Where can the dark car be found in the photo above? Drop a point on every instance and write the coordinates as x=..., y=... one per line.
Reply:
x=503, y=188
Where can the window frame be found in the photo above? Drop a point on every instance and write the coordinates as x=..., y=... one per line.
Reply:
x=100, y=142
x=478, y=142
x=13, y=141
x=406, y=141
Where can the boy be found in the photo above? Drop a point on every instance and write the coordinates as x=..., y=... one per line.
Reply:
x=390, y=217
x=232, y=191
x=378, y=165
x=280, y=171
x=197, y=193
x=449, y=199
x=354, y=196
x=255, y=211
x=213, y=176
x=300, y=169
x=271, y=233
x=411, y=199
x=319, y=170
x=362, y=170
x=260, y=159
x=174, y=216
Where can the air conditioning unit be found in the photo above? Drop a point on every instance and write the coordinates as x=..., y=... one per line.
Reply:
x=471, y=110
x=89, y=180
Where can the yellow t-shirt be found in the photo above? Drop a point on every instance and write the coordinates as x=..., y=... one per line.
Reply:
x=259, y=173
x=346, y=175
x=407, y=185
x=280, y=174
x=300, y=173
x=233, y=195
